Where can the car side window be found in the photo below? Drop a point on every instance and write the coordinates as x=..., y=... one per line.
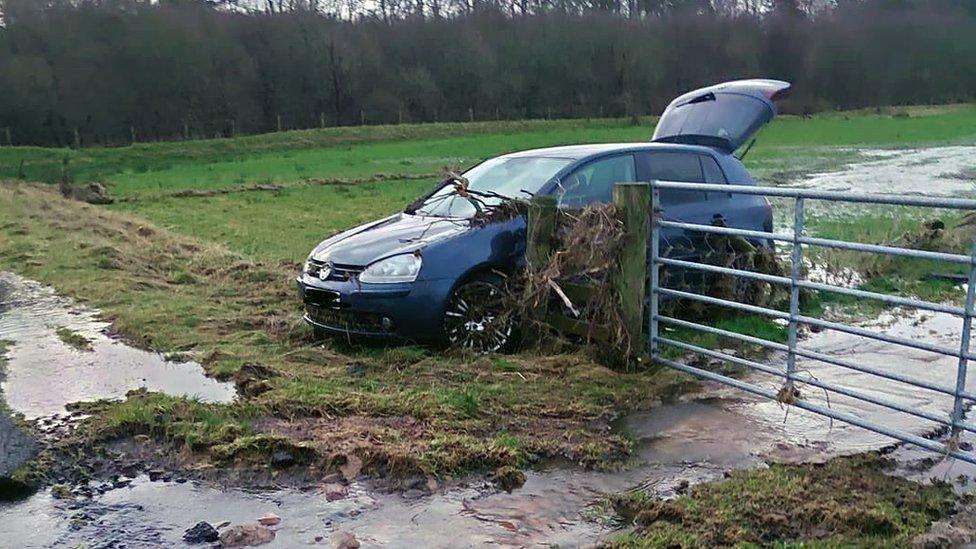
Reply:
x=594, y=181
x=713, y=174
x=677, y=166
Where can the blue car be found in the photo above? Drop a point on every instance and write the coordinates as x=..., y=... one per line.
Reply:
x=430, y=274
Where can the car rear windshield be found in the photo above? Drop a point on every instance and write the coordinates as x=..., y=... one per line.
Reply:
x=728, y=117
x=510, y=177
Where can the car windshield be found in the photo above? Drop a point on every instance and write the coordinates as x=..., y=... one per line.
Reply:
x=508, y=177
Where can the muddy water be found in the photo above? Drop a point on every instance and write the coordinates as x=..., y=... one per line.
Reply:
x=686, y=442
x=43, y=373
x=929, y=171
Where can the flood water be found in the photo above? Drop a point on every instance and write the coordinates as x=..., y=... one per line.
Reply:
x=43, y=373
x=932, y=171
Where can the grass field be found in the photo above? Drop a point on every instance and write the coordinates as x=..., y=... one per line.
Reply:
x=193, y=258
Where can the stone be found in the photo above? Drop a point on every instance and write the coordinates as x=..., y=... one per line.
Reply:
x=350, y=470
x=345, y=540
x=246, y=535
x=269, y=519
x=201, y=532
x=282, y=458
x=334, y=492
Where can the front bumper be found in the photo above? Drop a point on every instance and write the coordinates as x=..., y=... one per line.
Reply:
x=411, y=311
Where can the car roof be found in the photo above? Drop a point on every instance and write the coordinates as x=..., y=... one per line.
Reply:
x=582, y=152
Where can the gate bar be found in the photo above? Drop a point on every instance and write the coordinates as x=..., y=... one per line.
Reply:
x=825, y=242
x=837, y=196
x=813, y=355
x=817, y=322
x=809, y=285
x=967, y=323
x=840, y=416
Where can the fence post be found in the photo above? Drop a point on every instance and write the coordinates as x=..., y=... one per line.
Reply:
x=633, y=208
x=6, y=132
x=362, y=117
x=132, y=134
x=655, y=279
x=186, y=130
x=399, y=116
x=470, y=114
x=278, y=122
x=967, y=323
x=233, y=128
x=540, y=230
x=539, y=239
x=77, y=139
x=796, y=258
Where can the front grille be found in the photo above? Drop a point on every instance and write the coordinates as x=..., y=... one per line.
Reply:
x=336, y=271
x=345, y=319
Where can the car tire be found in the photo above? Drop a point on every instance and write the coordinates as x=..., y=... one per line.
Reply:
x=479, y=315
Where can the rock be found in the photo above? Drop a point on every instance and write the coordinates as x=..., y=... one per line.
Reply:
x=269, y=519
x=93, y=193
x=223, y=524
x=282, y=458
x=245, y=535
x=351, y=468
x=431, y=485
x=17, y=447
x=202, y=532
x=345, y=540
x=335, y=491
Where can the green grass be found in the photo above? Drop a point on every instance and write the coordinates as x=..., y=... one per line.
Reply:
x=73, y=339
x=404, y=410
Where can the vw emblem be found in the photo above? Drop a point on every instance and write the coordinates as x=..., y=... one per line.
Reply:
x=325, y=271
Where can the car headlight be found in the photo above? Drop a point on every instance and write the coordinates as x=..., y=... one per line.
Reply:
x=398, y=268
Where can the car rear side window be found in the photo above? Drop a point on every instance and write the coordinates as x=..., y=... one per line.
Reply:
x=713, y=174
x=677, y=166
x=594, y=181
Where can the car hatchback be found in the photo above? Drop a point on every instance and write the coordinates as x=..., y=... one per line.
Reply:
x=428, y=273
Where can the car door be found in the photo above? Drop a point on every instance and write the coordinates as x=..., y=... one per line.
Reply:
x=688, y=206
x=593, y=181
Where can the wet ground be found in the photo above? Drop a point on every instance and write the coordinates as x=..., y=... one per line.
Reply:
x=30, y=317
x=943, y=171
x=690, y=441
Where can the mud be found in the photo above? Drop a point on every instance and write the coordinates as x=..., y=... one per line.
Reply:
x=44, y=373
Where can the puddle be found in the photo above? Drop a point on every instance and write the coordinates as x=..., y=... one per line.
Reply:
x=680, y=444
x=43, y=373
x=930, y=171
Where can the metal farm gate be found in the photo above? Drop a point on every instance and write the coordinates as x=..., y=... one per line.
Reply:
x=954, y=421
